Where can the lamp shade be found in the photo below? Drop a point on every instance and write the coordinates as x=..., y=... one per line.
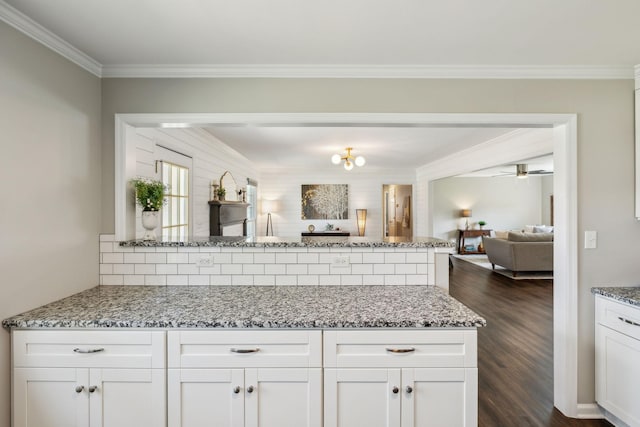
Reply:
x=465, y=213
x=269, y=206
x=361, y=218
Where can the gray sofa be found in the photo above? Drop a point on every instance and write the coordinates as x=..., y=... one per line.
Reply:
x=521, y=251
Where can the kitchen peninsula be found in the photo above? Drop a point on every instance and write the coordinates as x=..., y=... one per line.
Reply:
x=252, y=355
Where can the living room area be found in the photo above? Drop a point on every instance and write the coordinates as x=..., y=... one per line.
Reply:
x=500, y=218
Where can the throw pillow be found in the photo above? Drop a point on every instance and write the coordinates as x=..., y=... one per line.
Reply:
x=501, y=234
x=542, y=229
x=530, y=237
x=528, y=228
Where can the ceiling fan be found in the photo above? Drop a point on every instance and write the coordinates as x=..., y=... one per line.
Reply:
x=522, y=171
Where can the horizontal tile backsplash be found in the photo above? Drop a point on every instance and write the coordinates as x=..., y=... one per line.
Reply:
x=260, y=266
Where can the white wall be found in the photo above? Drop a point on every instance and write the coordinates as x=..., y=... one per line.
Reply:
x=211, y=158
x=50, y=169
x=504, y=203
x=365, y=192
x=546, y=190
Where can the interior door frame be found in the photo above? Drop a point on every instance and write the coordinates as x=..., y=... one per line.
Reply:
x=565, y=188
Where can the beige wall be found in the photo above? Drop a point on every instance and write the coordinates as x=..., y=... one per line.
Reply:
x=605, y=145
x=50, y=174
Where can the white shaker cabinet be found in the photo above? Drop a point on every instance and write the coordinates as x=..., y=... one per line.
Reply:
x=618, y=359
x=400, y=378
x=88, y=378
x=245, y=378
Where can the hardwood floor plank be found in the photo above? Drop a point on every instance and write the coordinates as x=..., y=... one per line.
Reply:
x=515, y=350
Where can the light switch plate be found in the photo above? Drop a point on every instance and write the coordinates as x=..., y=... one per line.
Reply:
x=340, y=261
x=590, y=239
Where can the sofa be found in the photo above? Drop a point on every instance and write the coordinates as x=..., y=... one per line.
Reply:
x=521, y=251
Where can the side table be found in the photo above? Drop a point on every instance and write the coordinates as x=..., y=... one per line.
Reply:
x=463, y=234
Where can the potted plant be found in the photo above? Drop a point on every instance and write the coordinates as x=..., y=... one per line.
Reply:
x=221, y=192
x=481, y=224
x=150, y=195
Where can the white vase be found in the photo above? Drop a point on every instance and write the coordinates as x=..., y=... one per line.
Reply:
x=150, y=223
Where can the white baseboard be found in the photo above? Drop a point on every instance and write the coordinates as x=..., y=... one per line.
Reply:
x=589, y=411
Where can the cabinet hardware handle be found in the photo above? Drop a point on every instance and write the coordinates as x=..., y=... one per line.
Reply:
x=93, y=388
x=395, y=390
x=245, y=350
x=79, y=389
x=400, y=350
x=631, y=322
x=409, y=389
x=91, y=350
x=250, y=389
x=236, y=389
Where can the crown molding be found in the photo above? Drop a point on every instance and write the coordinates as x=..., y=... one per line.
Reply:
x=370, y=71
x=28, y=26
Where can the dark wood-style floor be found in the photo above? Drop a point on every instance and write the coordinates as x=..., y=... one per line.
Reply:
x=515, y=350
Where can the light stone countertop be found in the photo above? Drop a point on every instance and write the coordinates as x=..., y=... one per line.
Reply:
x=287, y=242
x=318, y=307
x=628, y=295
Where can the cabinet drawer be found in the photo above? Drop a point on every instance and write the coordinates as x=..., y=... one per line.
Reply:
x=400, y=348
x=620, y=317
x=244, y=348
x=89, y=349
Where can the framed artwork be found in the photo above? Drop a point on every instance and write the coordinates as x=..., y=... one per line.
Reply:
x=325, y=201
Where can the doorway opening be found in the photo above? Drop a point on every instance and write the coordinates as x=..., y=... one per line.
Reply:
x=397, y=217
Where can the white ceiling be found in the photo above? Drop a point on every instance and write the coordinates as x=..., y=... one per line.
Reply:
x=383, y=147
x=340, y=38
x=361, y=37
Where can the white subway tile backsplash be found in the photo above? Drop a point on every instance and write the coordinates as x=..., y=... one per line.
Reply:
x=156, y=258
x=286, y=258
x=133, y=258
x=264, y=266
x=123, y=269
x=431, y=255
x=242, y=258
x=112, y=258
x=144, y=249
x=155, y=280
x=231, y=269
x=296, y=269
x=177, y=280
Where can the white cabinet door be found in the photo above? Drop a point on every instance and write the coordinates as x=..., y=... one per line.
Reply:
x=50, y=397
x=206, y=397
x=442, y=397
x=362, y=397
x=127, y=397
x=283, y=397
x=618, y=374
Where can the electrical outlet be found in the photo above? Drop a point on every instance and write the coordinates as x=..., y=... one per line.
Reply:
x=340, y=261
x=205, y=261
x=590, y=239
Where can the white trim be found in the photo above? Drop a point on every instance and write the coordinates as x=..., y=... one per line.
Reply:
x=637, y=76
x=589, y=411
x=370, y=71
x=28, y=26
x=565, y=188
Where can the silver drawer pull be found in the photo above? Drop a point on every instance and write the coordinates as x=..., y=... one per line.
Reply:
x=91, y=350
x=631, y=322
x=400, y=350
x=245, y=350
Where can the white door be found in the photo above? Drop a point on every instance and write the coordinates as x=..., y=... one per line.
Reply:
x=206, y=397
x=127, y=397
x=439, y=397
x=362, y=397
x=283, y=397
x=50, y=397
x=618, y=374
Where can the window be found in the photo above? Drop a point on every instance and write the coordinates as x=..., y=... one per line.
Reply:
x=252, y=199
x=175, y=215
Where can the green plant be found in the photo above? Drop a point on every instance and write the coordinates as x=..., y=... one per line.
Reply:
x=149, y=193
x=221, y=192
x=482, y=223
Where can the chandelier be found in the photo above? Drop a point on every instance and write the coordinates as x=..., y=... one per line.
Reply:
x=349, y=160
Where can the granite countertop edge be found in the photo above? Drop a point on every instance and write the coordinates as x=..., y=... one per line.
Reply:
x=251, y=307
x=627, y=294
x=295, y=242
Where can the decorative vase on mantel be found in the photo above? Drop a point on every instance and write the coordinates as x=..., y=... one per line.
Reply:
x=150, y=220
